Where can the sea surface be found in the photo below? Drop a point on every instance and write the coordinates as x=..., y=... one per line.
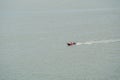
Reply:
x=33, y=44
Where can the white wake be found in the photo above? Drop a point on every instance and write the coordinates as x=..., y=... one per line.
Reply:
x=97, y=42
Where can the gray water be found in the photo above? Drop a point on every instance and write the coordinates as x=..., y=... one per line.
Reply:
x=33, y=37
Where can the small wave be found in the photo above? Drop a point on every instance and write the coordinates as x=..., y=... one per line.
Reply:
x=97, y=42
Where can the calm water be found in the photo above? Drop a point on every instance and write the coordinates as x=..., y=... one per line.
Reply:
x=33, y=43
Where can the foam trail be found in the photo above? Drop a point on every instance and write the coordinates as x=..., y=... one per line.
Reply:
x=97, y=42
